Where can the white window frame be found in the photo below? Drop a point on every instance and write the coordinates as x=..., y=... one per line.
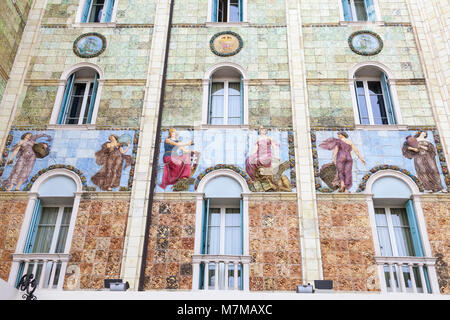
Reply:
x=393, y=91
x=60, y=96
x=102, y=24
x=89, y=83
x=416, y=196
x=57, y=229
x=199, y=222
x=226, y=83
x=390, y=225
x=215, y=23
x=368, y=101
x=206, y=92
x=352, y=7
x=33, y=196
x=222, y=226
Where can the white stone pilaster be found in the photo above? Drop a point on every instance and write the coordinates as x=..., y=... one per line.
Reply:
x=134, y=238
x=307, y=208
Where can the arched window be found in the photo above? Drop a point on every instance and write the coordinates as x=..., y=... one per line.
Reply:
x=374, y=97
x=97, y=11
x=45, y=239
x=225, y=93
x=221, y=260
x=78, y=96
x=400, y=239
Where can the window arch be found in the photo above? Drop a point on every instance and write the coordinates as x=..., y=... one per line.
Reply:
x=402, y=249
x=221, y=252
x=225, y=95
x=46, y=234
x=78, y=95
x=374, y=95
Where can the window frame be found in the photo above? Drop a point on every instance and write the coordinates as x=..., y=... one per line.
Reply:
x=222, y=229
x=208, y=78
x=226, y=83
x=391, y=228
x=60, y=96
x=57, y=229
x=378, y=19
x=102, y=23
x=365, y=81
x=89, y=83
x=209, y=18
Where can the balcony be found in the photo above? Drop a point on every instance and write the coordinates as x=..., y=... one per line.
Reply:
x=418, y=274
x=221, y=272
x=48, y=268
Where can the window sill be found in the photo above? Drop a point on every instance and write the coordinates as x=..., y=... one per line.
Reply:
x=393, y=127
x=361, y=23
x=71, y=126
x=227, y=24
x=94, y=25
x=224, y=126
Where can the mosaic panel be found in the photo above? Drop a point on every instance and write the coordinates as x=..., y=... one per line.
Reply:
x=105, y=157
x=345, y=161
x=265, y=158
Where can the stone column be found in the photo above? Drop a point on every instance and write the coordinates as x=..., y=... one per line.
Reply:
x=307, y=208
x=13, y=90
x=134, y=238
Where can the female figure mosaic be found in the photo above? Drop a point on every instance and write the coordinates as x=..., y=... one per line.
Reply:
x=424, y=154
x=342, y=158
x=176, y=166
x=26, y=152
x=111, y=158
x=262, y=156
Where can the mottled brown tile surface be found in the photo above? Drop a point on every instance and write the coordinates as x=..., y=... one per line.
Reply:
x=347, y=246
x=274, y=246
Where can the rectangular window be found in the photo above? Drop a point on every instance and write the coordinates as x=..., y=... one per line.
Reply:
x=223, y=237
x=79, y=103
x=358, y=10
x=97, y=11
x=227, y=10
x=52, y=230
x=370, y=98
x=226, y=103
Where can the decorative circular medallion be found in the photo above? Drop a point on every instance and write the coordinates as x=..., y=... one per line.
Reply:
x=89, y=45
x=366, y=43
x=226, y=43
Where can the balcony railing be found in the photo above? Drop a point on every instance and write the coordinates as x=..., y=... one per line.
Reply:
x=417, y=275
x=48, y=268
x=221, y=272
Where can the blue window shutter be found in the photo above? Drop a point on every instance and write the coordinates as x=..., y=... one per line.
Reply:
x=370, y=9
x=215, y=5
x=66, y=98
x=204, y=243
x=210, y=100
x=241, y=10
x=241, y=205
x=109, y=10
x=93, y=98
x=388, y=99
x=87, y=6
x=28, y=248
x=347, y=10
x=417, y=242
x=242, y=100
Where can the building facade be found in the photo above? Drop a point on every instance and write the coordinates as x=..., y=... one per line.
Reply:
x=225, y=145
